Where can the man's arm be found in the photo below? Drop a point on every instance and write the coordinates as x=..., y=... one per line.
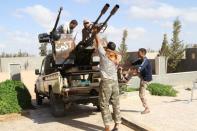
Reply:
x=137, y=62
x=60, y=29
x=97, y=39
x=99, y=45
x=144, y=64
x=83, y=34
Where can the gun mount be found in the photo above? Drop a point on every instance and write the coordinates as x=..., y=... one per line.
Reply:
x=84, y=50
x=99, y=26
x=63, y=46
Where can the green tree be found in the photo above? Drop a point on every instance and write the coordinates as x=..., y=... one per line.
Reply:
x=123, y=47
x=20, y=54
x=177, y=47
x=43, y=49
x=165, y=47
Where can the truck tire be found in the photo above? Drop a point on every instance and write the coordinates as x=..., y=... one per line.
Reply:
x=98, y=108
x=57, y=105
x=38, y=98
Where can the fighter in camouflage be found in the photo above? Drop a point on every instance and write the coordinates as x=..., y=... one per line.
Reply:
x=70, y=74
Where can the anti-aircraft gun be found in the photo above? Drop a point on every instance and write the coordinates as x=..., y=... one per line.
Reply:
x=65, y=54
x=69, y=74
x=62, y=44
x=84, y=49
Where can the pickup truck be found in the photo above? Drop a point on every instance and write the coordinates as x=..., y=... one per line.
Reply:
x=63, y=87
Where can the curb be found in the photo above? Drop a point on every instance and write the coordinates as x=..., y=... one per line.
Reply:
x=135, y=126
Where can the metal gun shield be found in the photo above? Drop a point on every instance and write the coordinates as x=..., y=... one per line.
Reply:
x=63, y=47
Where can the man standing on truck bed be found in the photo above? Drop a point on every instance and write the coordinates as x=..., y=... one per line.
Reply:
x=68, y=29
x=86, y=30
x=109, y=88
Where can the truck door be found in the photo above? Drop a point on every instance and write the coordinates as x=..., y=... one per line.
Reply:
x=41, y=77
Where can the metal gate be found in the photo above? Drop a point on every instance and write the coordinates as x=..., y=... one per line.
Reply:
x=15, y=72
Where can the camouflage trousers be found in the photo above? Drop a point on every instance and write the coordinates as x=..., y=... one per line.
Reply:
x=142, y=89
x=109, y=93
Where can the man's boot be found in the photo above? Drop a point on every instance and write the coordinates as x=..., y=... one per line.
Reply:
x=116, y=126
x=145, y=111
x=107, y=128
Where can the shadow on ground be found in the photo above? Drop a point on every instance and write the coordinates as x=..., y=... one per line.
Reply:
x=134, y=111
x=176, y=100
x=41, y=114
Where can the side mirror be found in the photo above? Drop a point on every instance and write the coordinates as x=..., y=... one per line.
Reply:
x=37, y=72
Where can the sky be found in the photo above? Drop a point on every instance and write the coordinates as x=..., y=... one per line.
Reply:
x=145, y=20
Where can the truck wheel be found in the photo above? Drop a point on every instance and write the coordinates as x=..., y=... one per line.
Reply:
x=98, y=108
x=38, y=99
x=57, y=105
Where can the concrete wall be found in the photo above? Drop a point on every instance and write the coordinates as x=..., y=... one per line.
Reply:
x=27, y=63
x=187, y=65
x=27, y=77
x=183, y=78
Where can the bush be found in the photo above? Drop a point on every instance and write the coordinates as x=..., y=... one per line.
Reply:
x=125, y=88
x=14, y=97
x=161, y=90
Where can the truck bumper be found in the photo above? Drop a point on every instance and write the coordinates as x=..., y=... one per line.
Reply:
x=80, y=99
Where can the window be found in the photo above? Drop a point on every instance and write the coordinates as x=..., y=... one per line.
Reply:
x=42, y=67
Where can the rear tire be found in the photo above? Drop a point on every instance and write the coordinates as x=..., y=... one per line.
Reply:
x=57, y=105
x=98, y=108
x=38, y=99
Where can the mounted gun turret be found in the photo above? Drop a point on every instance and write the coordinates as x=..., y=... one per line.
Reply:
x=62, y=44
x=64, y=50
x=85, y=49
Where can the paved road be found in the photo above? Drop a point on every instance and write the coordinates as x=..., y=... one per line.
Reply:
x=79, y=118
x=167, y=113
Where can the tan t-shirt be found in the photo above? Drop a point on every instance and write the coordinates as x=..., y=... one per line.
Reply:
x=107, y=67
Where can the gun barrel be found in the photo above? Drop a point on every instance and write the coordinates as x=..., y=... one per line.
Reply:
x=114, y=10
x=105, y=8
x=57, y=20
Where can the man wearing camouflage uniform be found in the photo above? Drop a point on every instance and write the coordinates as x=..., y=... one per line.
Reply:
x=109, y=88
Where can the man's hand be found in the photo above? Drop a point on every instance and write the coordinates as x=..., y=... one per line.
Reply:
x=97, y=39
x=133, y=71
x=95, y=30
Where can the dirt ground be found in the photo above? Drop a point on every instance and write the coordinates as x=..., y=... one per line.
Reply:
x=79, y=118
